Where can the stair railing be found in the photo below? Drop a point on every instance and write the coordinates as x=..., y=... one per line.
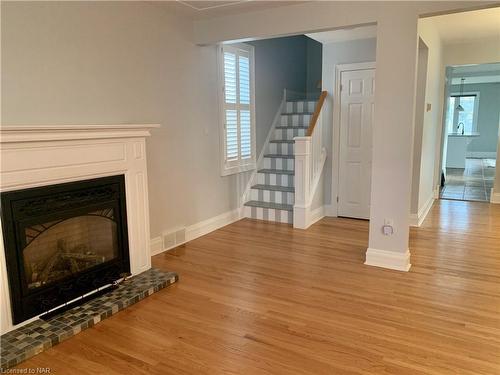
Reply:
x=310, y=156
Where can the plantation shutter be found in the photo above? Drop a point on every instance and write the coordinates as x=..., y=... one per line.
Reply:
x=237, y=104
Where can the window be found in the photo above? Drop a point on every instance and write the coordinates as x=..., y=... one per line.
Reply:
x=236, y=76
x=467, y=119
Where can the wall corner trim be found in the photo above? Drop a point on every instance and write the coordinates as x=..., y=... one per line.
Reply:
x=388, y=259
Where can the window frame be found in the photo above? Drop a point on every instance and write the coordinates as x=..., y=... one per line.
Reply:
x=241, y=165
x=475, y=114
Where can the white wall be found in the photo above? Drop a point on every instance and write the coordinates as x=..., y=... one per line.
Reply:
x=426, y=179
x=420, y=109
x=124, y=62
x=354, y=51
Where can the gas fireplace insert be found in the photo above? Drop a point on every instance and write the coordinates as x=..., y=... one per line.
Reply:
x=63, y=241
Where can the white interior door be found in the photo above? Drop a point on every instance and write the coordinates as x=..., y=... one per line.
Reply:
x=355, y=162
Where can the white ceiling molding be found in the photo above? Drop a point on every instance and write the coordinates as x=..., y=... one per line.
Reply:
x=212, y=9
x=206, y=5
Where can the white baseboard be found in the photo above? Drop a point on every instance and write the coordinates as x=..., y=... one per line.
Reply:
x=206, y=226
x=416, y=220
x=495, y=197
x=199, y=229
x=437, y=190
x=330, y=210
x=304, y=217
x=156, y=245
x=388, y=259
x=317, y=215
x=481, y=155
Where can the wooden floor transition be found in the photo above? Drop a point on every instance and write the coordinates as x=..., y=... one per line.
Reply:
x=259, y=298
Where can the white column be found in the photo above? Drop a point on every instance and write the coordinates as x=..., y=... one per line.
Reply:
x=495, y=192
x=397, y=43
x=302, y=181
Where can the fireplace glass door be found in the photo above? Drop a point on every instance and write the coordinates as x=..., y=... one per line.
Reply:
x=61, y=248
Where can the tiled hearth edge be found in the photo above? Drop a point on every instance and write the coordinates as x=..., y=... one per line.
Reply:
x=35, y=337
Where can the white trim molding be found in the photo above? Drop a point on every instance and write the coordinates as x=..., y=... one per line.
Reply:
x=156, y=245
x=35, y=133
x=317, y=214
x=495, y=196
x=416, y=220
x=388, y=259
x=197, y=230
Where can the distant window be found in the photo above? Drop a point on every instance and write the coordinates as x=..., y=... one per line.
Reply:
x=237, y=108
x=466, y=119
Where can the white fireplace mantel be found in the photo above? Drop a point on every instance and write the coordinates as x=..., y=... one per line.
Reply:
x=34, y=156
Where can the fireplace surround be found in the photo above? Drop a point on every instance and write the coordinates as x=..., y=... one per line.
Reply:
x=63, y=241
x=33, y=156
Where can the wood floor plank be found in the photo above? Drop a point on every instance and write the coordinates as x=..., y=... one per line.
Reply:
x=263, y=298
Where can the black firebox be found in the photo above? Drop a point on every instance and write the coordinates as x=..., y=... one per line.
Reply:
x=63, y=241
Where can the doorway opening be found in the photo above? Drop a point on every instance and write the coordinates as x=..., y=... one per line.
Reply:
x=471, y=128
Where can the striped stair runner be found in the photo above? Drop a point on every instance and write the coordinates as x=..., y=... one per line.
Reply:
x=273, y=195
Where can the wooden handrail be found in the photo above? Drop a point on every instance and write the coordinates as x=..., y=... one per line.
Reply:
x=317, y=110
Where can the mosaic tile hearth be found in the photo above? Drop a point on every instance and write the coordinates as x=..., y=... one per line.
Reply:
x=39, y=335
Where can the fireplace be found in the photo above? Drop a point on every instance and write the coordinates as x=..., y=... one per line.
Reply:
x=63, y=241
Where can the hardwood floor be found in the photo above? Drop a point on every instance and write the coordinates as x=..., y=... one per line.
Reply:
x=259, y=298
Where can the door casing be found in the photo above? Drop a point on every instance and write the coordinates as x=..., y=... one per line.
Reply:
x=336, y=128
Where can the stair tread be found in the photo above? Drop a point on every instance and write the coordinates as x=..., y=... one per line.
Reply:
x=276, y=171
x=275, y=206
x=289, y=189
x=282, y=141
x=283, y=156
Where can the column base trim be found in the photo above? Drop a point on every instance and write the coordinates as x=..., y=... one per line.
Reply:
x=388, y=259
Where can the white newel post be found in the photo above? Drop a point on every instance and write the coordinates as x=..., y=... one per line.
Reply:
x=34, y=156
x=302, y=181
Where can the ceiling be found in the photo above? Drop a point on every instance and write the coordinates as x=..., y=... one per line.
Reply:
x=342, y=35
x=211, y=9
x=468, y=26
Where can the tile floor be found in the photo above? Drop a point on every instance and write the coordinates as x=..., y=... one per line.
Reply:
x=473, y=183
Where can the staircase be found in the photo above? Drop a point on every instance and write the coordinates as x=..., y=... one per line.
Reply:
x=273, y=194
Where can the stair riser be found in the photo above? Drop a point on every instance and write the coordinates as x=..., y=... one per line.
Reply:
x=295, y=120
x=275, y=179
x=278, y=163
x=289, y=134
x=281, y=148
x=272, y=196
x=299, y=107
x=269, y=214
